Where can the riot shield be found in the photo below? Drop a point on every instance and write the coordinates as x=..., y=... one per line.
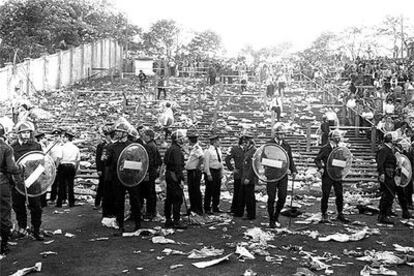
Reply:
x=270, y=163
x=132, y=165
x=39, y=174
x=404, y=170
x=339, y=163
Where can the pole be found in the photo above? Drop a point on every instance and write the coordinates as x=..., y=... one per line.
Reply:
x=402, y=36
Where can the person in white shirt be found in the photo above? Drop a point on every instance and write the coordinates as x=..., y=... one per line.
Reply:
x=213, y=172
x=332, y=117
x=56, y=154
x=388, y=107
x=193, y=167
x=69, y=164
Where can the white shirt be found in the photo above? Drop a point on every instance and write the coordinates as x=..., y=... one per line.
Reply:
x=70, y=154
x=351, y=103
x=389, y=108
x=367, y=115
x=194, y=158
x=211, y=159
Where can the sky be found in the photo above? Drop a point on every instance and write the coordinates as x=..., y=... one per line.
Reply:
x=263, y=23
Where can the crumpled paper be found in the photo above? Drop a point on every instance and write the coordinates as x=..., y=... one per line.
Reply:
x=382, y=257
x=205, y=252
x=212, y=262
x=36, y=268
x=110, y=223
x=367, y=271
x=258, y=235
x=244, y=253
x=162, y=240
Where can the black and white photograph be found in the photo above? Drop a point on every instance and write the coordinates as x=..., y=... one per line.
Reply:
x=225, y=138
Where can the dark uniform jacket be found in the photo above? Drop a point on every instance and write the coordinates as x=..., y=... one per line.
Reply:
x=8, y=165
x=247, y=170
x=174, y=161
x=236, y=153
x=321, y=159
x=386, y=161
x=287, y=148
x=98, y=156
x=154, y=158
x=21, y=149
x=113, y=151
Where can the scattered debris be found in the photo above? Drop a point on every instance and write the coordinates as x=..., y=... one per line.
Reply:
x=205, y=252
x=212, y=262
x=244, y=253
x=36, y=268
x=162, y=240
x=176, y=266
x=367, y=271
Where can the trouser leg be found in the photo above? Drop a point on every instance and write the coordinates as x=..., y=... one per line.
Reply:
x=152, y=198
x=241, y=200
x=208, y=194
x=120, y=204
x=5, y=209
x=99, y=191
x=134, y=201
x=271, y=196
x=281, y=196
x=216, y=174
x=401, y=199
x=339, y=196
x=19, y=208
x=235, y=208
x=326, y=189
x=387, y=196
x=250, y=201
x=35, y=212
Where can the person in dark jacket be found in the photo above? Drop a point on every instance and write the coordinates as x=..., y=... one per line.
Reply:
x=386, y=166
x=108, y=190
x=327, y=183
x=174, y=161
x=249, y=181
x=8, y=167
x=24, y=144
x=281, y=185
x=325, y=129
x=236, y=154
x=111, y=160
x=148, y=185
x=100, y=166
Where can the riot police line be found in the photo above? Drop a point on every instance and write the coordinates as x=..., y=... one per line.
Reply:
x=129, y=161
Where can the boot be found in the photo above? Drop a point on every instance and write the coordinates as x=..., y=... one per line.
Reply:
x=406, y=214
x=137, y=225
x=385, y=220
x=168, y=223
x=179, y=225
x=4, y=249
x=342, y=218
x=272, y=224
x=325, y=218
x=37, y=235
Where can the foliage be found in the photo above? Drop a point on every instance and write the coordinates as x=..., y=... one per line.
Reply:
x=34, y=27
x=161, y=37
x=205, y=44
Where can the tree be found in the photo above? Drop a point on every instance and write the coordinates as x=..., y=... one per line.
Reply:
x=34, y=27
x=205, y=44
x=161, y=38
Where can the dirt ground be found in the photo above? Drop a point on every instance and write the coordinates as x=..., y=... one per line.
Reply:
x=122, y=256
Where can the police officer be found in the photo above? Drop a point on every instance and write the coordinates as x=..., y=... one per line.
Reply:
x=280, y=185
x=148, y=185
x=236, y=153
x=321, y=161
x=386, y=166
x=100, y=166
x=111, y=160
x=193, y=167
x=8, y=166
x=25, y=143
x=108, y=191
x=248, y=180
x=174, y=161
